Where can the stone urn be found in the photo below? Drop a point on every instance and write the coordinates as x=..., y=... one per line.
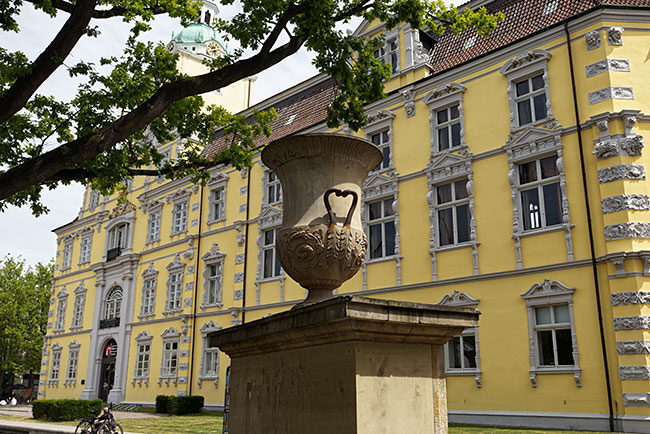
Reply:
x=321, y=243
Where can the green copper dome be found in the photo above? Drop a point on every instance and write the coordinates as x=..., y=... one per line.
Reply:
x=196, y=32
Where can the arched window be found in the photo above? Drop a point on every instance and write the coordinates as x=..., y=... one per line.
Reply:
x=207, y=17
x=112, y=304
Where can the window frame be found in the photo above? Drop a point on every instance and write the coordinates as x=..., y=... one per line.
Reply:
x=381, y=221
x=270, y=218
x=111, y=305
x=55, y=365
x=522, y=67
x=175, y=279
x=94, y=199
x=73, y=364
x=380, y=122
x=213, y=258
x=443, y=98
x=205, y=330
x=78, y=307
x=218, y=182
x=66, y=254
x=276, y=269
x=271, y=182
x=550, y=293
x=171, y=337
x=149, y=276
x=143, y=339
x=538, y=185
x=462, y=299
x=179, y=209
x=153, y=226
x=85, y=249
x=385, y=52
x=61, y=309
x=453, y=204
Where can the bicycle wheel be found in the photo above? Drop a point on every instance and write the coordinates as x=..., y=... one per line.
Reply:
x=110, y=427
x=84, y=427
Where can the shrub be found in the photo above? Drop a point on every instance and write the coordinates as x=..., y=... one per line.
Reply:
x=64, y=409
x=179, y=405
x=162, y=403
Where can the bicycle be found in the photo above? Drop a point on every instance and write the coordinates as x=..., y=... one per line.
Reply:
x=109, y=426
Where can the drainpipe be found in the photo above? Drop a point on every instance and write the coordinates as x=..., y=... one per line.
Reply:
x=248, y=202
x=591, y=231
x=196, y=290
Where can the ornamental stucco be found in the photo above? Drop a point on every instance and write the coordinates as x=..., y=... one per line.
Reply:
x=632, y=323
x=634, y=372
x=633, y=297
x=592, y=39
x=612, y=92
x=607, y=65
x=622, y=231
x=624, y=202
x=633, y=347
x=621, y=171
x=615, y=36
x=636, y=399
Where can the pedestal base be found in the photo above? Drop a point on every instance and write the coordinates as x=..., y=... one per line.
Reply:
x=346, y=365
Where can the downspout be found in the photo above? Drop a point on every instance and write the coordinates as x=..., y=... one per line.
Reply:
x=591, y=231
x=248, y=201
x=196, y=290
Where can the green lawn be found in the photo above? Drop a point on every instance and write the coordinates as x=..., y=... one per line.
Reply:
x=210, y=422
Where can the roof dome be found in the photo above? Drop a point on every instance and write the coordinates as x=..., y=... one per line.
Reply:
x=196, y=32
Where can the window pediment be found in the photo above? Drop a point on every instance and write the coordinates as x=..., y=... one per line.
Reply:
x=379, y=185
x=176, y=264
x=179, y=195
x=439, y=96
x=218, y=178
x=532, y=141
x=209, y=327
x=57, y=347
x=214, y=254
x=143, y=336
x=62, y=294
x=459, y=299
x=375, y=119
x=524, y=60
x=270, y=217
x=73, y=345
x=81, y=289
x=448, y=166
x=171, y=333
x=153, y=205
x=150, y=272
x=548, y=288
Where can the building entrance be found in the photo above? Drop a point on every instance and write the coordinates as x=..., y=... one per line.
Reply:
x=107, y=373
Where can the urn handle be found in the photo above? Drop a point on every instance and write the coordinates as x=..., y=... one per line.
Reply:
x=340, y=193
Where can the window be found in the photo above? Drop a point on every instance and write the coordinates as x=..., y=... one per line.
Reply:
x=530, y=99
x=453, y=213
x=217, y=204
x=66, y=259
x=382, y=140
x=118, y=236
x=56, y=365
x=213, y=288
x=78, y=310
x=153, y=226
x=389, y=53
x=553, y=333
x=73, y=361
x=381, y=229
x=551, y=328
x=148, y=297
x=60, y=313
x=84, y=250
x=112, y=307
x=210, y=357
x=446, y=118
x=170, y=358
x=273, y=189
x=448, y=128
x=272, y=265
x=175, y=291
x=142, y=360
x=539, y=190
x=179, y=218
x=528, y=88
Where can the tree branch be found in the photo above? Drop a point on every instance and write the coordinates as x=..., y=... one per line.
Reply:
x=45, y=167
x=40, y=70
x=98, y=14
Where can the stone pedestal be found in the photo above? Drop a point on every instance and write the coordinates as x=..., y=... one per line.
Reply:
x=345, y=365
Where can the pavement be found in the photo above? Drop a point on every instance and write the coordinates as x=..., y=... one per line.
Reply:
x=16, y=427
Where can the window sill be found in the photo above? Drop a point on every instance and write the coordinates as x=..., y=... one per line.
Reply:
x=76, y=328
x=167, y=379
x=83, y=263
x=208, y=306
x=178, y=234
x=270, y=279
x=211, y=222
x=70, y=383
x=455, y=246
x=379, y=260
x=214, y=379
x=461, y=149
x=140, y=380
x=556, y=370
x=548, y=229
x=462, y=372
x=172, y=312
x=390, y=171
x=151, y=243
x=144, y=317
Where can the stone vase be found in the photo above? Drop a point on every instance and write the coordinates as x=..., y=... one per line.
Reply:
x=321, y=243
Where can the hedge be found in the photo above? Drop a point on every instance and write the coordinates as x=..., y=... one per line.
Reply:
x=179, y=405
x=64, y=409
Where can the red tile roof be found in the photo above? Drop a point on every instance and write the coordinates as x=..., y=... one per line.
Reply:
x=522, y=18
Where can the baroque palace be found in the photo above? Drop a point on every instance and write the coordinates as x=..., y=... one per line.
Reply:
x=513, y=181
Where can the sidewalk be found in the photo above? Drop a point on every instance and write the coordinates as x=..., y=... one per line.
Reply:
x=14, y=427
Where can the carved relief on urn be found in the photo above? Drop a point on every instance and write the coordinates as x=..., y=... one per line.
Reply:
x=321, y=243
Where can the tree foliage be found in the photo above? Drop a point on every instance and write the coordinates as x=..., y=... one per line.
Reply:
x=108, y=131
x=24, y=305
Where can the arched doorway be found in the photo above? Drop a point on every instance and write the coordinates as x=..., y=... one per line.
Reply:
x=107, y=373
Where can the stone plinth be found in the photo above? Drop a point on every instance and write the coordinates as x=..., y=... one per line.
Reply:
x=345, y=365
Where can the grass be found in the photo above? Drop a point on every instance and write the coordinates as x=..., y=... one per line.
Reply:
x=210, y=422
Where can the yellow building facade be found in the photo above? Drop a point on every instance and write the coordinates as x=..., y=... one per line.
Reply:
x=513, y=181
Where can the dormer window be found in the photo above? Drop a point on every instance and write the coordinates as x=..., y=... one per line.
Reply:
x=389, y=53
